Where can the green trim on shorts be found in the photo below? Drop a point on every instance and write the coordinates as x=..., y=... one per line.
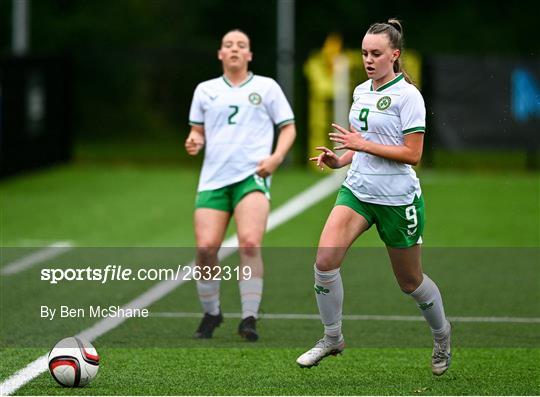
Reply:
x=398, y=226
x=227, y=198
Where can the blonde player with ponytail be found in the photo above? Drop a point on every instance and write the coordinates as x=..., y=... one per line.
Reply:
x=387, y=125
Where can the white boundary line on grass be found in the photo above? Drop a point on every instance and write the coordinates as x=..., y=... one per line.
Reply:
x=290, y=209
x=41, y=255
x=358, y=317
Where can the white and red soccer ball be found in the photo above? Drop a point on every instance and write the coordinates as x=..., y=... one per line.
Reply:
x=73, y=362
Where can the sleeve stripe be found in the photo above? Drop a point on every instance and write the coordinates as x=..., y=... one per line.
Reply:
x=191, y=122
x=414, y=129
x=285, y=122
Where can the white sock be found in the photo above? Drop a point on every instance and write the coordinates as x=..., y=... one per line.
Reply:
x=250, y=296
x=429, y=301
x=329, y=294
x=209, y=296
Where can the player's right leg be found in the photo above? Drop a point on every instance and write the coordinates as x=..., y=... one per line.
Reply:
x=343, y=226
x=210, y=227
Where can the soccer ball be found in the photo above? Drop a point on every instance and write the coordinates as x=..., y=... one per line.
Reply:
x=73, y=362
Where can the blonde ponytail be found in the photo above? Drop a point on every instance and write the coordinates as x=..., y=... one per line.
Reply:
x=394, y=30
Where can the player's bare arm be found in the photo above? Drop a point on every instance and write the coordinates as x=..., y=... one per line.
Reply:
x=332, y=160
x=409, y=153
x=195, y=140
x=286, y=138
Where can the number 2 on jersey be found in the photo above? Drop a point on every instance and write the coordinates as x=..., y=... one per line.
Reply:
x=363, y=117
x=233, y=113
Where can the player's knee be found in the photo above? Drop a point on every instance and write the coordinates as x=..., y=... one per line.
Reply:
x=325, y=262
x=207, y=253
x=409, y=285
x=250, y=247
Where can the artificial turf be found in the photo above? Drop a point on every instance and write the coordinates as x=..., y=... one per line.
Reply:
x=481, y=246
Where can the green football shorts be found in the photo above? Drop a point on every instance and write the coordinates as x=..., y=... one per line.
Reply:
x=228, y=197
x=398, y=226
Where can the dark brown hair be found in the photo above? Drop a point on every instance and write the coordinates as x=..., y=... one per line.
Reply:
x=394, y=31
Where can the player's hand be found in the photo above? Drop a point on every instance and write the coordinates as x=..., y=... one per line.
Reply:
x=267, y=166
x=351, y=140
x=194, y=143
x=327, y=157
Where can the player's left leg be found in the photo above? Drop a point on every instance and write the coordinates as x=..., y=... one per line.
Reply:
x=401, y=228
x=407, y=267
x=251, y=215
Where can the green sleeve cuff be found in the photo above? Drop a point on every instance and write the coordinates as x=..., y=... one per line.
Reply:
x=413, y=130
x=284, y=122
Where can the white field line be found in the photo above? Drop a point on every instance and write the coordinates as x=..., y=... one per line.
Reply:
x=291, y=208
x=46, y=253
x=358, y=317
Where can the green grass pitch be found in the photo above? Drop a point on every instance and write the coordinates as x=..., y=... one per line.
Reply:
x=481, y=246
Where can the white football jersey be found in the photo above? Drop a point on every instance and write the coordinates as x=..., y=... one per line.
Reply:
x=385, y=116
x=238, y=126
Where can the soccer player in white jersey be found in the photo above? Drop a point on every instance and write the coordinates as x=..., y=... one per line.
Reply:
x=234, y=116
x=387, y=125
